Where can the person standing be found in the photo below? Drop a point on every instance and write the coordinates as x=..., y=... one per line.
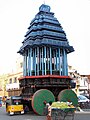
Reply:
x=49, y=111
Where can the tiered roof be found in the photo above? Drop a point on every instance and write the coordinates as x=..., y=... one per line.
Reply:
x=45, y=29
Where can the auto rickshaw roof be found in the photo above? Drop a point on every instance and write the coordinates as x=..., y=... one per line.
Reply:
x=16, y=97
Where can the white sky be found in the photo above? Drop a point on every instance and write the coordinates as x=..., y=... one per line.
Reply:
x=74, y=16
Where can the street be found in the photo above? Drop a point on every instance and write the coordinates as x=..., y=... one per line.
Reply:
x=32, y=116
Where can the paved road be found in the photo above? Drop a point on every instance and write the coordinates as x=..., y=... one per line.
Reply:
x=32, y=116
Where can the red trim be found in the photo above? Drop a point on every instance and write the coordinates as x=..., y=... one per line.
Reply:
x=44, y=76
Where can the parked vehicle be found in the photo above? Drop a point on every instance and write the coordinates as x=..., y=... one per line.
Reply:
x=83, y=102
x=14, y=105
x=86, y=95
x=82, y=98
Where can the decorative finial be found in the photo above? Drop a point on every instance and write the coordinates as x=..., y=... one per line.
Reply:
x=44, y=8
x=44, y=2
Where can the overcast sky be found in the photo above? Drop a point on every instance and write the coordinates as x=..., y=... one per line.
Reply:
x=74, y=16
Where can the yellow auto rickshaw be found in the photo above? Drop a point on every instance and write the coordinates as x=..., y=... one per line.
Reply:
x=14, y=105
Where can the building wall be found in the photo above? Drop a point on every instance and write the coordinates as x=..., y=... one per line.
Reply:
x=88, y=81
x=12, y=86
x=9, y=83
x=82, y=84
x=3, y=82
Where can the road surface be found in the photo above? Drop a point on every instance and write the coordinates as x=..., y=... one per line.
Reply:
x=32, y=116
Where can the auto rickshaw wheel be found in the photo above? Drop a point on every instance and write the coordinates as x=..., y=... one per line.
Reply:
x=11, y=113
x=22, y=112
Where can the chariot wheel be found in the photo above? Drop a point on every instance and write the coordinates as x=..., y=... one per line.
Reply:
x=38, y=99
x=68, y=95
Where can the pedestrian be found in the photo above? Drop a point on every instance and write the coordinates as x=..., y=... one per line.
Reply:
x=49, y=111
x=45, y=110
x=26, y=109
